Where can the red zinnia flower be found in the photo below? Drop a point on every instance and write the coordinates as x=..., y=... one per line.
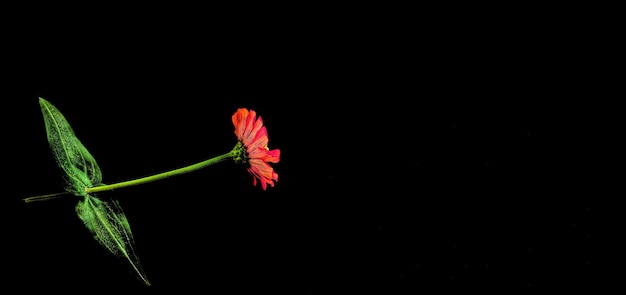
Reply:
x=253, y=136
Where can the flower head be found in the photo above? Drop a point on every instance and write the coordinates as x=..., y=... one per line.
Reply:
x=252, y=147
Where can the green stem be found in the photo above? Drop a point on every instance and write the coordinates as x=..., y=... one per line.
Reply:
x=45, y=197
x=162, y=175
x=142, y=180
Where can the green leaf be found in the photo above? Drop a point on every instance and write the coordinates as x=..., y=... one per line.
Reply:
x=81, y=170
x=110, y=228
x=105, y=220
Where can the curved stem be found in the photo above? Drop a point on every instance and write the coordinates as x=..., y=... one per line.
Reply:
x=138, y=181
x=162, y=175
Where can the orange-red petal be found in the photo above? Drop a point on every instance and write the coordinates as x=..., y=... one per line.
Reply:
x=250, y=131
x=239, y=119
x=263, y=172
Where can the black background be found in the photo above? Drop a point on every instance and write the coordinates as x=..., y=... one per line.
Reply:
x=418, y=153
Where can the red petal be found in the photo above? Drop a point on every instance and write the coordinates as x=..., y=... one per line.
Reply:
x=239, y=119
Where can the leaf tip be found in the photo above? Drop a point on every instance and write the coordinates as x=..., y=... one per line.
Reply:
x=43, y=101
